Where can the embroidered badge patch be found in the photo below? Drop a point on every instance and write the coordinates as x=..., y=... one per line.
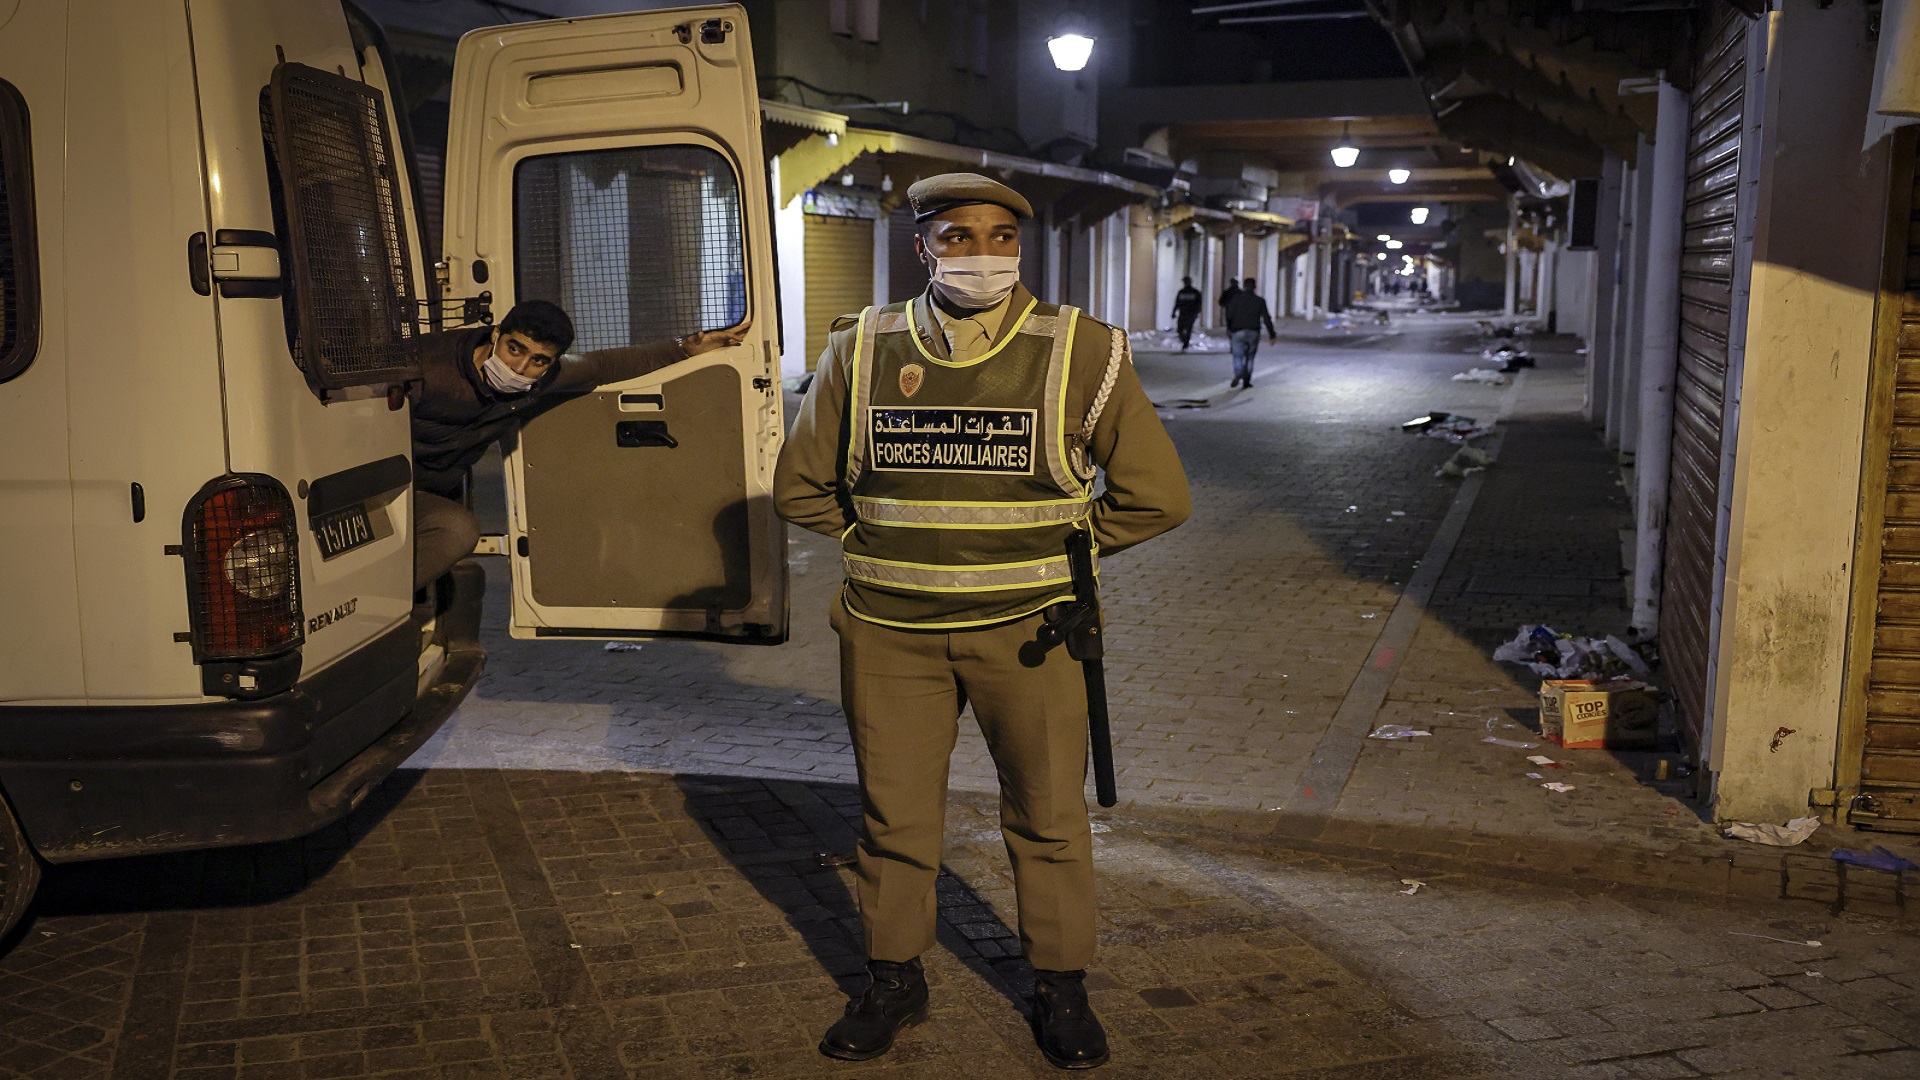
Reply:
x=961, y=440
x=911, y=376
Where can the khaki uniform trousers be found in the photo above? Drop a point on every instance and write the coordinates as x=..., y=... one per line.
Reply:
x=903, y=691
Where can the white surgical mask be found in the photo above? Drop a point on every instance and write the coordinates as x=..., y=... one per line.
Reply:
x=503, y=378
x=976, y=281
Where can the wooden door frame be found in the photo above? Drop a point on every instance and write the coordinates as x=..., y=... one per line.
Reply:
x=1883, y=370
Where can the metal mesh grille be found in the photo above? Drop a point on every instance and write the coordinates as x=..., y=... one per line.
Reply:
x=244, y=573
x=637, y=243
x=9, y=274
x=18, y=296
x=351, y=272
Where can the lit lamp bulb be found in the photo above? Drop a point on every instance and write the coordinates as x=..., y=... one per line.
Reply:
x=1394, y=245
x=1070, y=51
x=1419, y=215
x=1380, y=255
x=1345, y=153
x=1399, y=176
x=1383, y=238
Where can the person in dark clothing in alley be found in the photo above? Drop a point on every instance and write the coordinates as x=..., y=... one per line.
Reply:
x=1232, y=290
x=1186, y=311
x=1246, y=314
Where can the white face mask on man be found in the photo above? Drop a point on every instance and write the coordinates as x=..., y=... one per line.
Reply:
x=976, y=282
x=501, y=376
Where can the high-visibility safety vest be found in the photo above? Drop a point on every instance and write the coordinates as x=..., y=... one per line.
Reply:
x=966, y=476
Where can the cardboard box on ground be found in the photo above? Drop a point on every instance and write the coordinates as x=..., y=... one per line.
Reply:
x=1617, y=714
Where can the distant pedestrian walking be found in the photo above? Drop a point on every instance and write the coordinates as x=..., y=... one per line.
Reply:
x=1186, y=310
x=1246, y=313
x=1232, y=290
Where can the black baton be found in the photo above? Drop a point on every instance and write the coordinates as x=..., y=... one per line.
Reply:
x=1078, y=624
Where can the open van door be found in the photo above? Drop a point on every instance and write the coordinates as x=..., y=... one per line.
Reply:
x=613, y=165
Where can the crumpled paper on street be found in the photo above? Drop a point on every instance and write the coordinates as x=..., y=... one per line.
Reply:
x=1465, y=462
x=1579, y=658
x=1788, y=835
x=1481, y=375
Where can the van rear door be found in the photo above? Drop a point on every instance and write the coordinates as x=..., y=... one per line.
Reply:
x=613, y=165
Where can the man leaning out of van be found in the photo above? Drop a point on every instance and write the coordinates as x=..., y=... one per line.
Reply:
x=479, y=382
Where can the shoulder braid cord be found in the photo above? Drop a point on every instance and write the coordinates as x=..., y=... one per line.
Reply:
x=1081, y=452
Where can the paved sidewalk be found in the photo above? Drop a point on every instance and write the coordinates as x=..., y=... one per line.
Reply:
x=528, y=923
x=1249, y=651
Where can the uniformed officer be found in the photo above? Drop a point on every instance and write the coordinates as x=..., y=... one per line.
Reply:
x=949, y=442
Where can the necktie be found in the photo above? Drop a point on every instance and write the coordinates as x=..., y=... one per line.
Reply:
x=967, y=337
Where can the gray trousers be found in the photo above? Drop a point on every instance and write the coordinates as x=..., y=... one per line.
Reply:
x=444, y=532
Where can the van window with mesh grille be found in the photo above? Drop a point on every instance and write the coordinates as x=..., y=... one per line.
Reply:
x=637, y=243
x=19, y=293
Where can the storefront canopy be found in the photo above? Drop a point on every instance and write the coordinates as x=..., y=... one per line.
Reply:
x=1067, y=190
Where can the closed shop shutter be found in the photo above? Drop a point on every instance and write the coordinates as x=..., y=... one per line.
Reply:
x=1890, y=761
x=1700, y=384
x=839, y=268
x=906, y=275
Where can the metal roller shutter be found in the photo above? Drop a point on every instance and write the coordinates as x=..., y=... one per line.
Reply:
x=839, y=267
x=1890, y=759
x=1708, y=225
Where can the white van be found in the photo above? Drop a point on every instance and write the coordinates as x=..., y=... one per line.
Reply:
x=212, y=277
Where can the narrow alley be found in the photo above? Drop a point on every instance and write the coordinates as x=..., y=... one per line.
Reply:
x=631, y=862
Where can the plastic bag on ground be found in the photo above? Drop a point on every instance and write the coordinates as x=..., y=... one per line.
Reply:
x=1557, y=656
x=1788, y=835
x=1481, y=375
x=1465, y=461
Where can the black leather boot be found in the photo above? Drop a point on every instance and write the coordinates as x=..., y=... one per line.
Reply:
x=896, y=998
x=1070, y=1036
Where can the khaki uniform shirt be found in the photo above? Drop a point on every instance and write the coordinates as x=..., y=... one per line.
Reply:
x=1146, y=488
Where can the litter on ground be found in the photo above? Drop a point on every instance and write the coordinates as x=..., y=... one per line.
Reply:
x=1397, y=731
x=1543, y=760
x=1459, y=430
x=1481, y=375
x=1788, y=835
x=624, y=646
x=1554, y=655
x=1557, y=787
x=1770, y=937
x=1877, y=859
x=1412, y=886
x=1498, y=741
x=1465, y=462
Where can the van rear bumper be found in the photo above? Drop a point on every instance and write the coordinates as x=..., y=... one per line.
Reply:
x=111, y=781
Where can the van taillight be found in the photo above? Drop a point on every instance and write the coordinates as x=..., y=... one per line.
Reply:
x=243, y=569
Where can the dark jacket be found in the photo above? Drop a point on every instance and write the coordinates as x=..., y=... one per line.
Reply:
x=1246, y=311
x=456, y=415
x=1186, y=303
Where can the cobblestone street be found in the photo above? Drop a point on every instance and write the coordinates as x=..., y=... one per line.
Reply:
x=609, y=864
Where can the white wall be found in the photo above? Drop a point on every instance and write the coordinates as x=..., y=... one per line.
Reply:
x=789, y=232
x=1809, y=346
x=1573, y=288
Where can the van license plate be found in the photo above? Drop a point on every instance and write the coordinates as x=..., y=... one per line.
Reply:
x=342, y=531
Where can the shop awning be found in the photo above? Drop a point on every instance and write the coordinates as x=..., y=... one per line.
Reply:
x=1069, y=190
x=784, y=126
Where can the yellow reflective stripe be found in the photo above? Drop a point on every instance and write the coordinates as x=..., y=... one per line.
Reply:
x=923, y=577
x=1065, y=470
x=983, y=357
x=914, y=514
x=857, y=393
